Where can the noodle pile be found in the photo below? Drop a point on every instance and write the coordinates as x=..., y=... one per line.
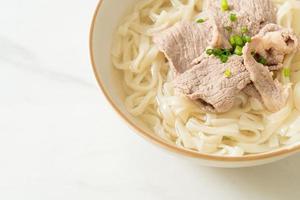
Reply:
x=247, y=129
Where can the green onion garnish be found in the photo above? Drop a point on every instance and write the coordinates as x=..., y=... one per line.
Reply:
x=227, y=73
x=199, y=21
x=244, y=30
x=223, y=58
x=218, y=52
x=238, y=40
x=232, y=17
x=224, y=5
x=210, y=51
x=222, y=54
x=238, y=50
x=286, y=72
x=262, y=60
x=227, y=52
x=246, y=38
x=232, y=40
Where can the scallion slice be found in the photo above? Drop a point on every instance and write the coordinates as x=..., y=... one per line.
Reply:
x=238, y=50
x=232, y=17
x=210, y=51
x=246, y=39
x=232, y=40
x=199, y=21
x=262, y=60
x=223, y=58
x=244, y=30
x=227, y=73
x=224, y=5
x=238, y=40
x=286, y=72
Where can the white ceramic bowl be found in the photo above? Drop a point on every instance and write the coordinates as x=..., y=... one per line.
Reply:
x=106, y=18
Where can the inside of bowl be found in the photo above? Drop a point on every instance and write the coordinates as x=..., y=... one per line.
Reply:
x=106, y=22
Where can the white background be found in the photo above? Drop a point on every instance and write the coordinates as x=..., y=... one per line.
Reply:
x=59, y=138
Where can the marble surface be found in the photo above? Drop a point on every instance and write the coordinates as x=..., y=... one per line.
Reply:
x=60, y=139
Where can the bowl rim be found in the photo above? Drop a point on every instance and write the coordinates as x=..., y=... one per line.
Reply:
x=173, y=148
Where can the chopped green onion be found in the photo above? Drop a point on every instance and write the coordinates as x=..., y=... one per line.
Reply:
x=262, y=60
x=224, y=58
x=227, y=73
x=232, y=40
x=238, y=40
x=224, y=5
x=244, y=30
x=286, y=72
x=238, y=50
x=200, y=21
x=232, y=17
x=246, y=39
x=227, y=52
x=222, y=54
x=218, y=52
x=209, y=51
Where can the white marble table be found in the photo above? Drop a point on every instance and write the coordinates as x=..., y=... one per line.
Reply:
x=59, y=138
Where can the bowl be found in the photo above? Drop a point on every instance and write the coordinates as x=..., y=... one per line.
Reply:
x=105, y=21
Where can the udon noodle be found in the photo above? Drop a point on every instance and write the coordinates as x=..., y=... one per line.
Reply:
x=247, y=129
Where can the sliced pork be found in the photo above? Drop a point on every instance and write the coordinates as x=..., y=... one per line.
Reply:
x=272, y=41
x=186, y=41
x=251, y=91
x=208, y=82
x=250, y=14
x=277, y=42
x=216, y=80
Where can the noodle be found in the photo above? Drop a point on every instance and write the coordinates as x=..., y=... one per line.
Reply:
x=248, y=128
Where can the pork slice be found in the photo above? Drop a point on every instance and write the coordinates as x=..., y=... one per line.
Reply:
x=207, y=83
x=277, y=43
x=273, y=42
x=184, y=42
x=272, y=92
x=251, y=91
x=282, y=42
x=259, y=12
x=252, y=14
